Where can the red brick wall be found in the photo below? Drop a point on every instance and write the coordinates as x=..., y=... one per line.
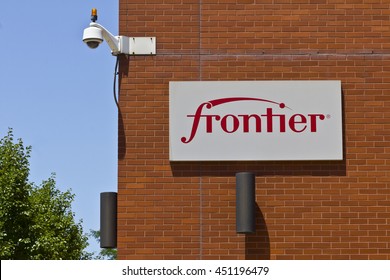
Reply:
x=306, y=210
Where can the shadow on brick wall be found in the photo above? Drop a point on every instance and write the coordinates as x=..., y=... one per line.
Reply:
x=123, y=73
x=121, y=137
x=272, y=168
x=257, y=245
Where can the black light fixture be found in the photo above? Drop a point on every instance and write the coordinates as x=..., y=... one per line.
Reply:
x=108, y=219
x=245, y=202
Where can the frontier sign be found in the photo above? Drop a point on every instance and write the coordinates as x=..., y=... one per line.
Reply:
x=255, y=120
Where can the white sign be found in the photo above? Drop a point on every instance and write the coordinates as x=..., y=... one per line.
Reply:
x=255, y=120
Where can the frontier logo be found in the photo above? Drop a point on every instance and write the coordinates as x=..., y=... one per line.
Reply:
x=255, y=120
x=266, y=121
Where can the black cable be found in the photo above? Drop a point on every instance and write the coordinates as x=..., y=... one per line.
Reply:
x=115, y=78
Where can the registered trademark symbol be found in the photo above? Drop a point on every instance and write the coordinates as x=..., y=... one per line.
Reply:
x=328, y=116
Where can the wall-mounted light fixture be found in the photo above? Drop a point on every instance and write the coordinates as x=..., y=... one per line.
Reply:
x=245, y=202
x=108, y=219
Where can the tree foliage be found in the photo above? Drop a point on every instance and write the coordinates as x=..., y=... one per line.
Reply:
x=36, y=222
x=106, y=253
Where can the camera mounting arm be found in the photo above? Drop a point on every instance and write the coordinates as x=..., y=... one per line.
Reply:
x=112, y=41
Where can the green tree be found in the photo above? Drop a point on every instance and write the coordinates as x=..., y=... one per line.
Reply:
x=15, y=215
x=104, y=254
x=36, y=222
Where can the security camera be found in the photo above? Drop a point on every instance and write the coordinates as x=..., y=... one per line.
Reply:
x=94, y=35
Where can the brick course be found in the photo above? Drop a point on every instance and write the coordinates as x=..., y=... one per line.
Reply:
x=306, y=210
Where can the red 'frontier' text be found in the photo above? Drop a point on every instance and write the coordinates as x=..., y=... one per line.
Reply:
x=267, y=122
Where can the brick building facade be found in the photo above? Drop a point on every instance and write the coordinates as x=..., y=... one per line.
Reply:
x=305, y=210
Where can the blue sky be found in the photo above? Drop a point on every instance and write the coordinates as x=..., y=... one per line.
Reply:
x=56, y=94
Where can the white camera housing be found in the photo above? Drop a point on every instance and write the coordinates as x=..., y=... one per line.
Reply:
x=94, y=35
